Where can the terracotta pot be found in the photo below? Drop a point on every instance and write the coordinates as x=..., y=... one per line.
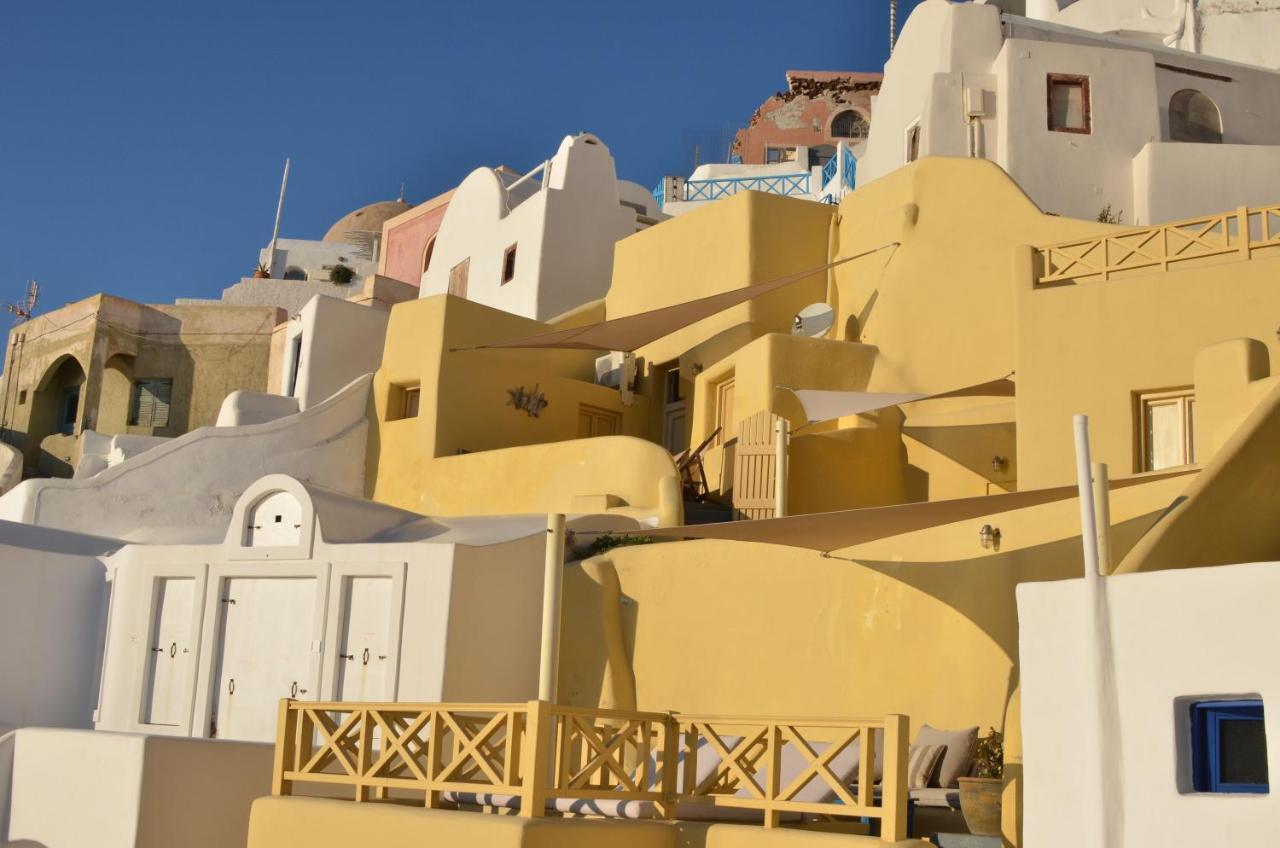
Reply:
x=980, y=803
x=261, y=275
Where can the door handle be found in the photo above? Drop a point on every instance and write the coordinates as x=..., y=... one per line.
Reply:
x=347, y=656
x=173, y=649
x=364, y=658
x=231, y=686
x=293, y=690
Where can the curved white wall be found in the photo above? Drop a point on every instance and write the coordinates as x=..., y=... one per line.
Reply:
x=194, y=480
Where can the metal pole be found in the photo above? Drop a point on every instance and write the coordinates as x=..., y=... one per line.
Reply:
x=893, y=25
x=275, y=232
x=781, y=432
x=1084, y=483
x=552, y=580
x=1102, y=515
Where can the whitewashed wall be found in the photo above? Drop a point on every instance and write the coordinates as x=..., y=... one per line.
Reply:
x=1196, y=633
x=340, y=342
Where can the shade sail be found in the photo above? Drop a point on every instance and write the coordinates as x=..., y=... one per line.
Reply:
x=821, y=405
x=831, y=531
x=635, y=331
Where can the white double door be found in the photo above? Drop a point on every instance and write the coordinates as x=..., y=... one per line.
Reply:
x=266, y=649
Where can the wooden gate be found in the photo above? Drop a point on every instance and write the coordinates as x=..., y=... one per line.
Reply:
x=755, y=467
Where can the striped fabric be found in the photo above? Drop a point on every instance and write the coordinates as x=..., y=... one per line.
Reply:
x=922, y=762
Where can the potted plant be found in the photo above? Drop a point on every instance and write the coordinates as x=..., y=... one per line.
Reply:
x=262, y=272
x=341, y=274
x=980, y=794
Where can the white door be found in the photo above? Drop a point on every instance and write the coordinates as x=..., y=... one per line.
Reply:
x=264, y=653
x=364, y=656
x=169, y=652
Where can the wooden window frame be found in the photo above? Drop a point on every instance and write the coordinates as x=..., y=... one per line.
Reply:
x=134, y=418
x=1141, y=402
x=508, y=265
x=402, y=396
x=1086, y=105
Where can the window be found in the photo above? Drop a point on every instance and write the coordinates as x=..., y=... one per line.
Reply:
x=404, y=402
x=672, y=387
x=1194, y=117
x=1069, y=104
x=411, y=399
x=913, y=142
x=849, y=124
x=1167, y=429
x=295, y=365
x=1229, y=747
x=149, y=406
x=70, y=407
x=22, y=397
x=509, y=265
x=293, y=272
x=776, y=155
x=426, y=254
x=725, y=421
x=458, y=278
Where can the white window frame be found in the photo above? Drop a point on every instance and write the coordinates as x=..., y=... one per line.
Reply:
x=1185, y=399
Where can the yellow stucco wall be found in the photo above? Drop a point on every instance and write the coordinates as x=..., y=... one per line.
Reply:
x=452, y=458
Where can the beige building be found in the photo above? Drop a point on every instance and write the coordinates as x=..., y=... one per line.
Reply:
x=123, y=368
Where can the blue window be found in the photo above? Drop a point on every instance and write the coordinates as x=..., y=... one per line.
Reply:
x=1229, y=747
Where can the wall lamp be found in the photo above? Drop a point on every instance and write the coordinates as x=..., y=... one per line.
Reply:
x=999, y=464
x=989, y=537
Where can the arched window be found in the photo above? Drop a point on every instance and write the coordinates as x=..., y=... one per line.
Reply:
x=426, y=254
x=293, y=272
x=1193, y=116
x=849, y=124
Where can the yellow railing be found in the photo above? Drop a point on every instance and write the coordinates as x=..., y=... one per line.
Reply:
x=1229, y=236
x=529, y=755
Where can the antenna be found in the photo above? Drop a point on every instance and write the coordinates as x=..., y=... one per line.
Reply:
x=24, y=309
x=893, y=25
x=275, y=233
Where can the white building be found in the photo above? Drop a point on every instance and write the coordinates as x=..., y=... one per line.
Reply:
x=1240, y=30
x=1083, y=121
x=809, y=176
x=353, y=241
x=316, y=595
x=1148, y=708
x=541, y=244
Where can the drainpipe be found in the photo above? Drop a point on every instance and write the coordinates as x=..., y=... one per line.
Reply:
x=552, y=587
x=1102, y=515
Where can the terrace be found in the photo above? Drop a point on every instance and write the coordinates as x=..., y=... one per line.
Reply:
x=538, y=760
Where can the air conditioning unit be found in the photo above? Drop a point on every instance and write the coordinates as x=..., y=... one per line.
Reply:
x=609, y=369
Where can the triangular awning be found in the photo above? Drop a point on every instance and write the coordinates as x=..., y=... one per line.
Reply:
x=822, y=405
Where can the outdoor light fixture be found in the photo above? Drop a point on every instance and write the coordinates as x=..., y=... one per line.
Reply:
x=989, y=536
x=999, y=464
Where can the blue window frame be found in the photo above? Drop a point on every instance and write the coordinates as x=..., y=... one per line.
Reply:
x=1229, y=747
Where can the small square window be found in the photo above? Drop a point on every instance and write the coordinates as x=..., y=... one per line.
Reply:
x=403, y=402
x=776, y=155
x=22, y=397
x=1167, y=433
x=1229, y=747
x=411, y=399
x=913, y=143
x=509, y=265
x=1069, y=109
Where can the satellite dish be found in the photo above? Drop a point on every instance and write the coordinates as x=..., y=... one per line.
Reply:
x=813, y=321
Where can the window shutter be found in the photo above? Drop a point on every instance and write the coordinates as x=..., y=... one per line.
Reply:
x=151, y=403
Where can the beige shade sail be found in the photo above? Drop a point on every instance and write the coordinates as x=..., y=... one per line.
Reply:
x=634, y=331
x=821, y=405
x=831, y=531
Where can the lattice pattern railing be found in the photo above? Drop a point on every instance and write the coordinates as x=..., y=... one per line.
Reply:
x=784, y=766
x=785, y=184
x=538, y=753
x=1231, y=235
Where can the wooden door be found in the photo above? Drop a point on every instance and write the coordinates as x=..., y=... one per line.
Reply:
x=365, y=652
x=458, y=278
x=594, y=421
x=167, y=699
x=264, y=654
x=755, y=467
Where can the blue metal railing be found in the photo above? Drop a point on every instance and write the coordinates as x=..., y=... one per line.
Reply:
x=659, y=194
x=829, y=170
x=788, y=185
x=850, y=167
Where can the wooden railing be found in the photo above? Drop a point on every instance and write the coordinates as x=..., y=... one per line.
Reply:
x=1230, y=236
x=529, y=755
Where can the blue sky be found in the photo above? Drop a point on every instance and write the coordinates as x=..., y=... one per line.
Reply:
x=141, y=143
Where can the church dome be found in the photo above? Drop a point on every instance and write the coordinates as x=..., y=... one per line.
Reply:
x=365, y=219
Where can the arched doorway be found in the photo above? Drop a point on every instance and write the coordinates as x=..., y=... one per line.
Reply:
x=56, y=416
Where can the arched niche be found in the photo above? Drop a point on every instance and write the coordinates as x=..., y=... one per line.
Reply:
x=1194, y=117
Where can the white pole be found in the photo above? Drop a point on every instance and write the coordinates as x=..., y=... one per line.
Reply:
x=1102, y=507
x=552, y=580
x=275, y=232
x=1084, y=483
x=781, y=431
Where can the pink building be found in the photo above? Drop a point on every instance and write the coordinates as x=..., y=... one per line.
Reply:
x=818, y=110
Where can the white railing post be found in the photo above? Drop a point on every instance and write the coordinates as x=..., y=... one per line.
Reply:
x=1102, y=515
x=782, y=430
x=1084, y=484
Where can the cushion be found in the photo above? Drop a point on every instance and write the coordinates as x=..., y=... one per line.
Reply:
x=958, y=758
x=922, y=764
x=815, y=790
x=936, y=797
